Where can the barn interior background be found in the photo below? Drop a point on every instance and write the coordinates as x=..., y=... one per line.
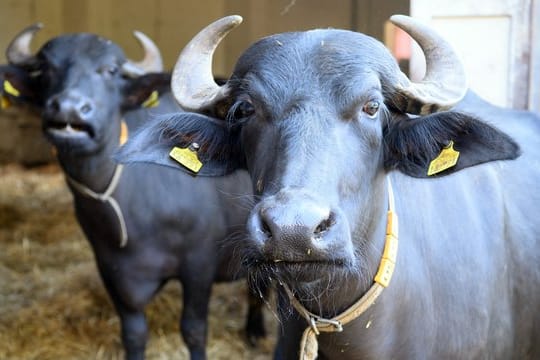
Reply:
x=52, y=304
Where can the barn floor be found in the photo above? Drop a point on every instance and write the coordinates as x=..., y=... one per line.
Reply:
x=52, y=303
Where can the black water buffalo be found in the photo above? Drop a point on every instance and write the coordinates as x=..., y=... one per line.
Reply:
x=337, y=141
x=146, y=225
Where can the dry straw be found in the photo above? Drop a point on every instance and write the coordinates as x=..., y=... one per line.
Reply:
x=52, y=303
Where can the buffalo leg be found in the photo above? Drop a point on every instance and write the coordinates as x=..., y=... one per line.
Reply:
x=255, y=319
x=288, y=343
x=129, y=298
x=134, y=333
x=193, y=324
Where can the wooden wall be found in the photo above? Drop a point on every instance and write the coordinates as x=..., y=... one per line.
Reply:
x=171, y=23
x=497, y=39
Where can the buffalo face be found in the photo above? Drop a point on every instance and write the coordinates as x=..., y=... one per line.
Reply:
x=81, y=95
x=311, y=151
x=318, y=118
x=81, y=83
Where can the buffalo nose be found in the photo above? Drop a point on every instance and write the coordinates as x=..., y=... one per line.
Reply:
x=307, y=225
x=77, y=105
x=293, y=229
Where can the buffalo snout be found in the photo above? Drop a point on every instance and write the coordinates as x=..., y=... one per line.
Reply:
x=292, y=227
x=72, y=105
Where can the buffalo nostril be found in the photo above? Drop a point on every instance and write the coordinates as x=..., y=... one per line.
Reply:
x=325, y=225
x=86, y=108
x=266, y=229
x=55, y=105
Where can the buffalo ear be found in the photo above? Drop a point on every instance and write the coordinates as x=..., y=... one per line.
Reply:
x=411, y=144
x=218, y=148
x=145, y=90
x=17, y=86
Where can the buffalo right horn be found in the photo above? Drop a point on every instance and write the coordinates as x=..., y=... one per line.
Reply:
x=445, y=82
x=18, y=51
x=192, y=80
x=152, y=61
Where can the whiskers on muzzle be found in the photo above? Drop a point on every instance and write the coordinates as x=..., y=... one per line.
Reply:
x=314, y=284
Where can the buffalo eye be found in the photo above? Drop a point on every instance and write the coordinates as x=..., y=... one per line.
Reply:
x=109, y=70
x=112, y=70
x=371, y=108
x=242, y=109
x=35, y=73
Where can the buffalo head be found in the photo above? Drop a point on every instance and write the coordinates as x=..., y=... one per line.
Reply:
x=81, y=83
x=318, y=118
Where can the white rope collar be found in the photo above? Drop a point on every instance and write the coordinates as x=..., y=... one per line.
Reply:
x=309, y=345
x=106, y=196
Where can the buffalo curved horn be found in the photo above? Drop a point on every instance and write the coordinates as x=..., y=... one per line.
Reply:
x=152, y=61
x=18, y=51
x=445, y=82
x=192, y=80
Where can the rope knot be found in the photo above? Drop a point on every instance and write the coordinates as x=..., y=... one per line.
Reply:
x=317, y=322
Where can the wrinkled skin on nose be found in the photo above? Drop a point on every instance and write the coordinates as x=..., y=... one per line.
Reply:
x=292, y=227
x=74, y=104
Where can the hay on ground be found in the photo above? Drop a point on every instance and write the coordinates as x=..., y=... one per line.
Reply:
x=52, y=302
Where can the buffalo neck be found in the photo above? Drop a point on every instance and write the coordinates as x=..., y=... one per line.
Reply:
x=93, y=170
x=337, y=292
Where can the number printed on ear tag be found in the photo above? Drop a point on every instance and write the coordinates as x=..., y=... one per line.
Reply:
x=446, y=159
x=187, y=157
x=152, y=100
x=10, y=89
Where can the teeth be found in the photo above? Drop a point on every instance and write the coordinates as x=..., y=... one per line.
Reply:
x=74, y=128
x=77, y=127
x=68, y=130
x=277, y=260
x=71, y=128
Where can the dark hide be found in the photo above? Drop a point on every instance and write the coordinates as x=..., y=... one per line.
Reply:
x=158, y=138
x=178, y=227
x=21, y=80
x=411, y=144
x=141, y=88
x=467, y=281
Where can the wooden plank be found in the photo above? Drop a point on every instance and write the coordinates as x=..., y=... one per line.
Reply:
x=75, y=17
x=15, y=16
x=99, y=18
x=178, y=21
x=127, y=16
x=50, y=14
x=372, y=15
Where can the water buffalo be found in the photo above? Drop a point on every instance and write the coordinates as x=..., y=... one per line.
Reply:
x=146, y=225
x=337, y=141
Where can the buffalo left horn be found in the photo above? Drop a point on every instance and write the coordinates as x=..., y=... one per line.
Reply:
x=151, y=62
x=444, y=84
x=18, y=51
x=192, y=80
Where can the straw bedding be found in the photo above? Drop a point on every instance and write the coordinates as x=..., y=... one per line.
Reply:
x=52, y=303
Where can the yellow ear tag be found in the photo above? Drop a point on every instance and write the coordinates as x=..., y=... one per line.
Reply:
x=8, y=88
x=152, y=100
x=446, y=159
x=123, y=133
x=187, y=157
x=4, y=102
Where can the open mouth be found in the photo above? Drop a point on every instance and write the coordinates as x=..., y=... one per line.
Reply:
x=71, y=129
